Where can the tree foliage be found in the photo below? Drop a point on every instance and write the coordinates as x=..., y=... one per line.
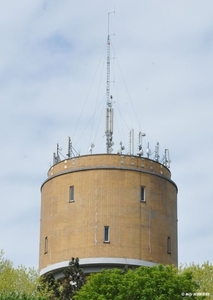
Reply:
x=159, y=283
x=202, y=274
x=66, y=287
x=73, y=280
x=16, y=283
x=49, y=287
x=25, y=284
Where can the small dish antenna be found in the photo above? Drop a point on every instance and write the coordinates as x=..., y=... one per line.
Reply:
x=91, y=147
x=121, y=148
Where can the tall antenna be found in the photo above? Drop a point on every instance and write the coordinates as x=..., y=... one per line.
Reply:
x=69, y=152
x=157, y=152
x=132, y=142
x=109, y=101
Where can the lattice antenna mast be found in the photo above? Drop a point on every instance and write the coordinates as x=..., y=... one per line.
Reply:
x=109, y=101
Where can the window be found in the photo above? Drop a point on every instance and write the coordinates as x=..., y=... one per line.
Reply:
x=71, y=194
x=46, y=245
x=143, y=194
x=106, y=234
x=168, y=245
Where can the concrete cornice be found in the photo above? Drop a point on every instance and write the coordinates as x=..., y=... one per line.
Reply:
x=96, y=264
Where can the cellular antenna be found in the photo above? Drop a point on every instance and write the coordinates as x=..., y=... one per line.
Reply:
x=140, y=148
x=56, y=156
x=71, y=150
x=109, y=100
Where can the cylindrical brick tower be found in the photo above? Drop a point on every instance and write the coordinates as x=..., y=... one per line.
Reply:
x=109, y=210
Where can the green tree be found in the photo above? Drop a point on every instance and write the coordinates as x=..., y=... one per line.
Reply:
x=49, y=287
x=202, y=274
x=66, y=287
x=159, y=283
x=73, y=280
x=25, y=284
x=16, y=281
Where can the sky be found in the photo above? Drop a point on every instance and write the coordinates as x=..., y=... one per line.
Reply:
x=53, y=85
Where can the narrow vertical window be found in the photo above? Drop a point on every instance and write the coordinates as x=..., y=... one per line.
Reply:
x=46, y=245
x=106, y=234
x=71, y=194
x=168, y=245
x=143, y=194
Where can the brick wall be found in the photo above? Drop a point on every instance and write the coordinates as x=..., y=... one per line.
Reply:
x=107, y=192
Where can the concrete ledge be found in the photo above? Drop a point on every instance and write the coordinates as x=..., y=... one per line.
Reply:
x=96, y=264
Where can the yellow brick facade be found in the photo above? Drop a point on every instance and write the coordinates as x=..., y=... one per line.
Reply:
x=107, y=192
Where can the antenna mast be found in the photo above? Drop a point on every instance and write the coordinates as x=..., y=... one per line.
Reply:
x=109, y=101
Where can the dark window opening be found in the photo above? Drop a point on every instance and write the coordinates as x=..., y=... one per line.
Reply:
x=71, y=194
x=45, y=245
x=106, y=233
x=168, y=245
x=143, y=194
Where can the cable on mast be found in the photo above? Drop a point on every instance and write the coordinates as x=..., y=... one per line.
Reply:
x=109, y=100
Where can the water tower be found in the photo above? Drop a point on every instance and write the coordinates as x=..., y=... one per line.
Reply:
x=109, y=210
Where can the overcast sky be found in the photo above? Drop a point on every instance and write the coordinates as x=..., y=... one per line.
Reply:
x=53, y=85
